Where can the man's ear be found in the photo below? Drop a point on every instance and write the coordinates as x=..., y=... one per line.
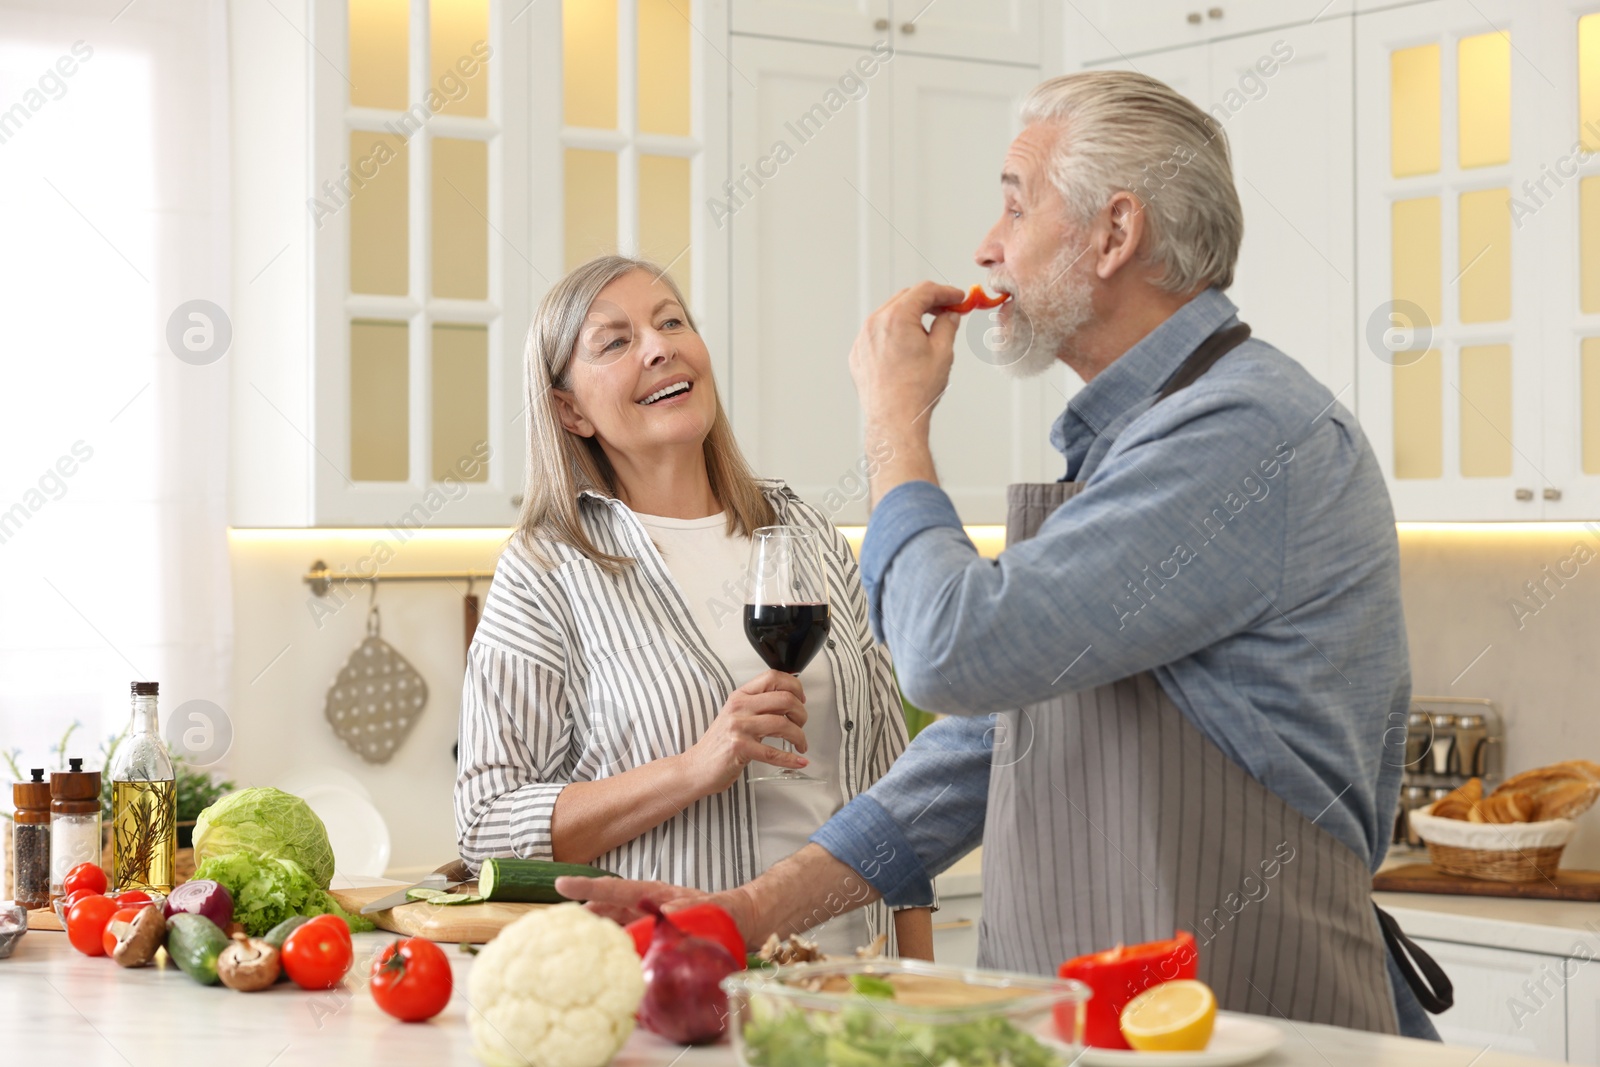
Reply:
x=1119, y=232
x=571, y=418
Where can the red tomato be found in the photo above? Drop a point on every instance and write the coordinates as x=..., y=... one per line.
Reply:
x=411, y=980
x=132, y=897
x=69, y=899
x=317, y=954
x=85, y=876
x=121, y=919
x=86, y=923
x=698, y=920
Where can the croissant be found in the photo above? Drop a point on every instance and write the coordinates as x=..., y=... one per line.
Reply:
x=1504, y=808
x=1459, y=803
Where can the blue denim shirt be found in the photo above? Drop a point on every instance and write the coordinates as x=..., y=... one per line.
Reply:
x=1237, y=540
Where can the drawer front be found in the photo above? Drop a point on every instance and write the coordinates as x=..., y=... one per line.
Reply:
x=1509, y=1001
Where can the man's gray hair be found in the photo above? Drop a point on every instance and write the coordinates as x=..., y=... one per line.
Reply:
x=1127, y=131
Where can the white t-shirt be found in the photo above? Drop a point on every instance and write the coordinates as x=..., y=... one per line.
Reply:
x=709, y=567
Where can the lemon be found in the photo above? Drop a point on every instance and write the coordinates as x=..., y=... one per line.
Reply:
x=1170, y=1017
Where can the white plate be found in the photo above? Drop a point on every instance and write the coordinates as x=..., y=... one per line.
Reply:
x=320, y=776
x=356, y=830
x=1236, y=1039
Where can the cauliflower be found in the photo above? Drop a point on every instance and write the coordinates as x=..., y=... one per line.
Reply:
x=556, y=988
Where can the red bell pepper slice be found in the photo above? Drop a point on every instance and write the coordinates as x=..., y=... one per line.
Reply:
x=1117, y=976
x=976, y=298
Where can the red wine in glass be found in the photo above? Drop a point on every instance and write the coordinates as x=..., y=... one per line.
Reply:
x=786, y=636
x=787, y=618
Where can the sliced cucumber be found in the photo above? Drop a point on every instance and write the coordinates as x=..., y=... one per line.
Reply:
x=529, y=881
x=424, y=893
x=457, y=898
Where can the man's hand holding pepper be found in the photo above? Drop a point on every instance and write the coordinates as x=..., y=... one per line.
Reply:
x=900, y=370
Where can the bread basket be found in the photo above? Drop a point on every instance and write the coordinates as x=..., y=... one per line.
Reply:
x=1498, y=852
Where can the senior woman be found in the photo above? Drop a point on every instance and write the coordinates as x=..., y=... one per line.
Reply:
x=613, y=707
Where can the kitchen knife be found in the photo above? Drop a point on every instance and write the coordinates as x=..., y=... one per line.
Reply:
x=397, y=898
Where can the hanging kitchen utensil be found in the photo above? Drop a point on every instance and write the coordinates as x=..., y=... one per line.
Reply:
x=377, y=697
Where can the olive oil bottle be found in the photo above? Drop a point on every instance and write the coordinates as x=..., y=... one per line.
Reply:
x=144, y=803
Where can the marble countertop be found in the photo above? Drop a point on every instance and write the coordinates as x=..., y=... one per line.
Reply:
x=63, y=1007
x=1553, y=927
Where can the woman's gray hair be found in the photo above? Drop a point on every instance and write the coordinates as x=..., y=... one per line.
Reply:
x=1126, y=131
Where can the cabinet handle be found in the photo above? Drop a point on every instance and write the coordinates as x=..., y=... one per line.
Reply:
x=1194, y=18
x=955, y=924
x=881, y=24
x=1524, y=494
x=1552, y=494
x=908, y=27
x=1215, y=13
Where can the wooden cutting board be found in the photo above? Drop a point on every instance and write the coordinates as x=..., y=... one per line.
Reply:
x=454, y=923
x=1423, y=878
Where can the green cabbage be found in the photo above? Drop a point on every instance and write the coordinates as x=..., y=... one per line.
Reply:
x=271, y=824
x=267, y=890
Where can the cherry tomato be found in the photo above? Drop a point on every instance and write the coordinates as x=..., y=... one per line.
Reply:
x=317, y=954
x=72, y=898
x=85, y=876
x=121, y=919
x=132, y=897
x=86, y=923
x=411, y=979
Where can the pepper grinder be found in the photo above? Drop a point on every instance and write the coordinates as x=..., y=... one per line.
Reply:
x=31, y=841
x=74, y=822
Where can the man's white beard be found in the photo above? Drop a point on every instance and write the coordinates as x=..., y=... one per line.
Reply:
x=1055, y=310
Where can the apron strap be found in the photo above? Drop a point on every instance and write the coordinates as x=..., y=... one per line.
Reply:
x=1437, y=994
x=1200, y=360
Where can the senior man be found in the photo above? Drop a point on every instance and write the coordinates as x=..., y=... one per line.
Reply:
x=1173, y=697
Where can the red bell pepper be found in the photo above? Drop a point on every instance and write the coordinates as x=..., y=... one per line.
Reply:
x=1116, y=976
x=698, y=920
x=977, y=298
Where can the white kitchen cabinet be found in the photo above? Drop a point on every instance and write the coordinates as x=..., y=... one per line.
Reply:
x=380, y=388
x=1283, y=100
x=953, y=122
x=1005, y=31
x=955, y=930
x=842, y=207
x=1583, y=1011
x=1102, y=30
x=1450, y=100
x=1509, y=1001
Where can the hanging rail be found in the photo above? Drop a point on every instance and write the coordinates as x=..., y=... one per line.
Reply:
x=321, y=579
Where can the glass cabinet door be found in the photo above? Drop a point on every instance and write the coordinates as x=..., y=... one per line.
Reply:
x=1562, y=206
x=422, y=259
x=1450, y=374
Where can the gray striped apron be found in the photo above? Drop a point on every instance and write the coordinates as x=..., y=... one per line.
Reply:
x=1113, y=819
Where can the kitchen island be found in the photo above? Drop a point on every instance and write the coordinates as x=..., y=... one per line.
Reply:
x=63, y=1007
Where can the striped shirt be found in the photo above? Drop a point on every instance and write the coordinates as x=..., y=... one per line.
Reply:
x=575, y=675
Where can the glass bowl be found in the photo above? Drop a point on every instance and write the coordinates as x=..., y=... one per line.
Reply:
x=10, y=934
x=836, y=1011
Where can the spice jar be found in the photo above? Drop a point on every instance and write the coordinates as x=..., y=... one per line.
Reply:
x=74, y=821
x=30, y=856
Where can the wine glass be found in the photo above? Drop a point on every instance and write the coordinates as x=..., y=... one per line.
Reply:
x=787, y=617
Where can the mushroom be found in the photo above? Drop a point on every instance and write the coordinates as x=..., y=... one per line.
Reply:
x=248, y=964
x=139, y=940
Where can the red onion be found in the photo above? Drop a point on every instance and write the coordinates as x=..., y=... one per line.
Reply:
x=683, y=997
x=201, y=897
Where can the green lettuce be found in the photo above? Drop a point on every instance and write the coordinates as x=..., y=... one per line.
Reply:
x=267, y=890
x=269, y=823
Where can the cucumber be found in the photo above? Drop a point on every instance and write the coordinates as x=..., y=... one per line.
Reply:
x=423, y=893
x=194, y=942
x=280, y=933
x=445, y=899
x=529, y=881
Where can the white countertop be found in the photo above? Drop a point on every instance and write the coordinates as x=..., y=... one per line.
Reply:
x=1553, y=927
x=61, y=1007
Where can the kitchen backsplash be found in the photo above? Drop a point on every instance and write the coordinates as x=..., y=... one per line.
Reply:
x=1505, y=612
x=1508, y=612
